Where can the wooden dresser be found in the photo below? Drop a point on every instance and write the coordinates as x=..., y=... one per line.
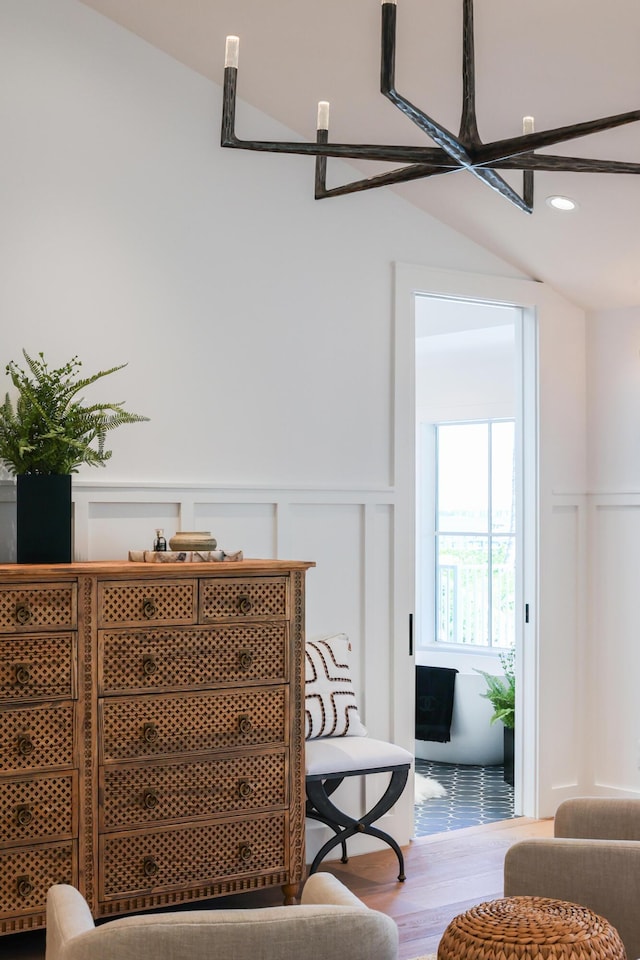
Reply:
x=151, y=733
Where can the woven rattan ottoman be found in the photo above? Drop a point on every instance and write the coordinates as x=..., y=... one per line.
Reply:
x=530, y=928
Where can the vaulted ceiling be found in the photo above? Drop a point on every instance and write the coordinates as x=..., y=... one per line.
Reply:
x=560, y=61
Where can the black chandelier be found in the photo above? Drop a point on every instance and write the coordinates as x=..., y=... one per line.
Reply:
x=451, y=153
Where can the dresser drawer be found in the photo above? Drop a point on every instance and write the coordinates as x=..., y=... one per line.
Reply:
x=132, y=661
x=40, y=808
x=236, y=598
x=38, y=667
x=140, y=727
x=173, y=858
x=27, y=874
x=134, y=795
x=38, y=606
x=36, y=737
x=145, y=601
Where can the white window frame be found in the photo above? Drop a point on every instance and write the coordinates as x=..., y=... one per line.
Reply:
x=429, y=458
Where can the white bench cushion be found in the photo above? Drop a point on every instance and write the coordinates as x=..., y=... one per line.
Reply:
x=346, y=754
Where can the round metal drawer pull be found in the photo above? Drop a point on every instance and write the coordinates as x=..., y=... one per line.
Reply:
x=150, y=733
x=23, y=613
x=24, y=816
x=23, y=674
x=149, y=867
x=25, y=887
x=150, y=799
x=149, y=608
x=245, y=789
x=244, y=724
x=245, y=604
x=245, y=659
x=245, y=853
x=149, y=666
x=25, y=744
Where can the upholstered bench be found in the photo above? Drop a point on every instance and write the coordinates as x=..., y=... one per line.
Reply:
x=328, y=762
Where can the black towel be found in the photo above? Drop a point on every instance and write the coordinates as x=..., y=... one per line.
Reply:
x=434, y=703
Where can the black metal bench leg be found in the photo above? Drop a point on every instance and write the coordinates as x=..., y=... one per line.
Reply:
x=319, y=807
x=329, y=787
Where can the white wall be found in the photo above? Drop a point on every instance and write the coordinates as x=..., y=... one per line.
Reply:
x=613, y=650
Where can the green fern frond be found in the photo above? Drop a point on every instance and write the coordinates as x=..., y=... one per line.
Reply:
x=501, y=691
x=46, y=430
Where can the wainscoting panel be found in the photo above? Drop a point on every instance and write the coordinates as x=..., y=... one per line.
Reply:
x=562, y=663
x=250, y=527
x=377, y=625
x=115, y=527
x=7, y=524
x=615, y=644
x=332, y=535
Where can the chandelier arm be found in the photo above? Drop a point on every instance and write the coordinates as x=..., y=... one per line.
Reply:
x=483, y=173
x=415, y=171
x=527, y=188
x=360, y=151
x=534, y=161
x=468, y=123
x=349, y=151
x=439, y=134
x=321, y=167
x=503, y=149
x=495, y=181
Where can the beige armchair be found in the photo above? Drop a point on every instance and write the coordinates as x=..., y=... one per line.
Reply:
x=593, y=859
x=329, y=924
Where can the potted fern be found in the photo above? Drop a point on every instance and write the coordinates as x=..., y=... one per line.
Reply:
x=501, y=693
x=46, y=433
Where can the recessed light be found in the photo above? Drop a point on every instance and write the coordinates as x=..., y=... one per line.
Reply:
x=562, y=203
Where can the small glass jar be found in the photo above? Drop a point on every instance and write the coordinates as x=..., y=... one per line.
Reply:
x=160, y=542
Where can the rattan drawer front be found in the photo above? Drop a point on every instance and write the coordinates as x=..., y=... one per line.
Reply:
x=192, y=657
x=166, y=726
x=27, y=873
x=36, y=737
x=147, y=601
x=245, y=599
x=38, y=606
x=133, y=796
x=163, y=860
x=37, y=809
x=37, y=668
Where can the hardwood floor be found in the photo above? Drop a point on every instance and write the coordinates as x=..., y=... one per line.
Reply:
x=446, y=874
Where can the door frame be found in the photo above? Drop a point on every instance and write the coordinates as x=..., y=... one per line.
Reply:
x=412, y=280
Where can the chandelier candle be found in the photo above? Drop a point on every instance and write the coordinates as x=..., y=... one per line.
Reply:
x=323, y=115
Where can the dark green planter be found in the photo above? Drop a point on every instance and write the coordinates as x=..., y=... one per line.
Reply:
x=43, y=514
x=508, y=755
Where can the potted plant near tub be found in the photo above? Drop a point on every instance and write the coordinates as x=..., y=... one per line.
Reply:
x=46, y=433
x=501, y=692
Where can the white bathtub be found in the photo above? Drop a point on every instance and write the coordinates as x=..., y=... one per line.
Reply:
x=473, y=738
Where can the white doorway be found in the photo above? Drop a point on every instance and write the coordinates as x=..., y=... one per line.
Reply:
x=468, y=543
x=413, y=282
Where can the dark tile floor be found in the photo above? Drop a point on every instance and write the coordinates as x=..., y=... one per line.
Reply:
x=475, y=795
